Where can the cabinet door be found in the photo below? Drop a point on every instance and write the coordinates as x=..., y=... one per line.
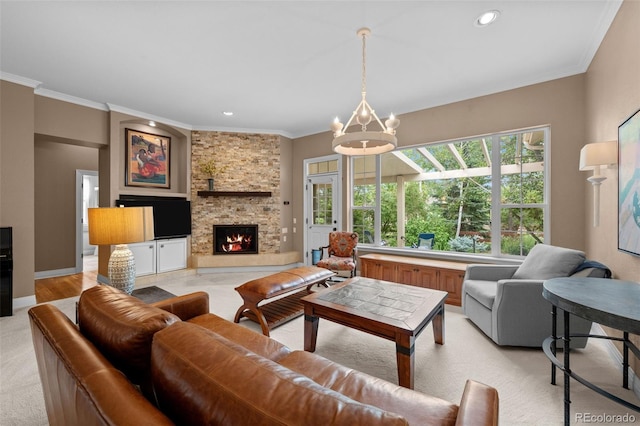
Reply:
x=172, y=254
x=451, y=282
x=378, y=270
x=406, y=273
x=145, y=257
x=426, y=277
x=368, y=267
x=387, y=271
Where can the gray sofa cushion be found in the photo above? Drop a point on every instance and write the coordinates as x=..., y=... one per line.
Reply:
x=483, y=291
x=545, y=261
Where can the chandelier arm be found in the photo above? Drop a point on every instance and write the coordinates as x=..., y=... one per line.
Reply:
x=373, y=113
x=355, y=113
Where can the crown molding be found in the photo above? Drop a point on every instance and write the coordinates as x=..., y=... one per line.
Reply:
x=23, y=81
x=610, y=10
x=71, y=99
x=145, y=116
x=242, y=130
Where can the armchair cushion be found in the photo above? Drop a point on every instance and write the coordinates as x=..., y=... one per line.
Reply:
x=545, y=261
x=484, y=292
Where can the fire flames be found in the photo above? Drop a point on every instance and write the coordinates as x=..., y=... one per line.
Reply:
x=237, y=242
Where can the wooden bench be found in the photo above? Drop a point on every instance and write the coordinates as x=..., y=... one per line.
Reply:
x=272, y=313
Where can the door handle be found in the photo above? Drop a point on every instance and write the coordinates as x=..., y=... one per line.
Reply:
x=335, y=229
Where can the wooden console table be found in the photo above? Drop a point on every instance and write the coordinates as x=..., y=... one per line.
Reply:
x=428, y=273
x=612, y=303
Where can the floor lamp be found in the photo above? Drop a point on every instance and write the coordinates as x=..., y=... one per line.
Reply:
x=120, y=226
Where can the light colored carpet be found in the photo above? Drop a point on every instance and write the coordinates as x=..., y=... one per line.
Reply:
x=520, y=375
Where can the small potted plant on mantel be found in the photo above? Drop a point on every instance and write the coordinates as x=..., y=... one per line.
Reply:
x=211, y=169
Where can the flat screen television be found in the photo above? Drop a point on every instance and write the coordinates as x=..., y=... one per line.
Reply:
x=171, y=215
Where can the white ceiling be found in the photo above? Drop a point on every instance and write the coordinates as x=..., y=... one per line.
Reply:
x=290, y=67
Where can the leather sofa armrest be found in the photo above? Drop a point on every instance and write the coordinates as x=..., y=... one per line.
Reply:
x=483, y=272
x=478, y=406
x=187, y=306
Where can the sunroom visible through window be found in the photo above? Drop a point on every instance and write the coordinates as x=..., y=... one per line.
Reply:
x=483, y=195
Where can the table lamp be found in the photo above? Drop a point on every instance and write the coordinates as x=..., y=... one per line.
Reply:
x=120, y=226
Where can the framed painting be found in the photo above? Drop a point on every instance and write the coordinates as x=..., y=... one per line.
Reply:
x=629, y=185
x=147, y=159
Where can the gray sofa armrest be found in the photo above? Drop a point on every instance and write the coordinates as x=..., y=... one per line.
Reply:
x=519, y=306
x=483, y=272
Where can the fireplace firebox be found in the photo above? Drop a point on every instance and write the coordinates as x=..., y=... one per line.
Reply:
x=235, y=239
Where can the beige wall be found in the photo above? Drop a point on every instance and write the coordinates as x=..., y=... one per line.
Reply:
x=55, y=201
x=17, y=179
x=558, y=103
x=71, y=123
x=613, y=94
x=286, y=194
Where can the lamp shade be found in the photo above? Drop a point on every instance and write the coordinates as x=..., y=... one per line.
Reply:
x=598, y=154
x=120, y=225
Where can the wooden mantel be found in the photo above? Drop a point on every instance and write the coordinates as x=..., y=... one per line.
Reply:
x=233, y=194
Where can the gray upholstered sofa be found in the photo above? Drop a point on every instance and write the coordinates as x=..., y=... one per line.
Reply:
x=506, y=303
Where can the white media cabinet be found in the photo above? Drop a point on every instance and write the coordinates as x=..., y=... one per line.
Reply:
x=158, y=256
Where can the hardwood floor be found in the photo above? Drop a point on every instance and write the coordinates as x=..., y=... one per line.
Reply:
x=48, y=289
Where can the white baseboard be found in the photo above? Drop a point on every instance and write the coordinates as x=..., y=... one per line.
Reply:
x=259, y=268
x=54, y=273
x=23, y=302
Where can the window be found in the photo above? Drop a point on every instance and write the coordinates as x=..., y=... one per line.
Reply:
x=448, y=189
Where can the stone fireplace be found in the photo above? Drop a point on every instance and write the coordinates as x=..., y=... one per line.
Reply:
x=253, y=167
x=235, y=239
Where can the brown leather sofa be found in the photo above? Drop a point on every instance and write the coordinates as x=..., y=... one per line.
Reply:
x=173, y=362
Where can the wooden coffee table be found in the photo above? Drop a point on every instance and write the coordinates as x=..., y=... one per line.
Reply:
x=396, y=312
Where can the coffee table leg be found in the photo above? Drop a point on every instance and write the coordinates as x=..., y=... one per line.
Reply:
x=438, y=326
x=405, y=359
x=310, y=332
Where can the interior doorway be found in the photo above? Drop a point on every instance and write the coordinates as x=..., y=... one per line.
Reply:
x=86, y=197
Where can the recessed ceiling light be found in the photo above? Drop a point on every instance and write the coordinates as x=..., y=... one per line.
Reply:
x=487, y=18
x=152, y=123
x=227, y=113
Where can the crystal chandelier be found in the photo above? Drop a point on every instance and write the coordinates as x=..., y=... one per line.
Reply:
x=364, y=142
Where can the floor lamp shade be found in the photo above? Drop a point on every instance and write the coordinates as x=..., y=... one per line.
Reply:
x=120, y=226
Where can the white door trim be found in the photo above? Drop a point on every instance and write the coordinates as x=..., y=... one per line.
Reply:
x=79, y=228
x=337, y=208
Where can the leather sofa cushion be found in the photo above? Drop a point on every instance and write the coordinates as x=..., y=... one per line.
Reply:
x=255, y=342
x=122, y=328
x=202, y=378
x=417, y=408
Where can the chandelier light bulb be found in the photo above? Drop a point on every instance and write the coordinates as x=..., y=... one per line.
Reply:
x=364, y=117
x=392, y=123
x=336, y=126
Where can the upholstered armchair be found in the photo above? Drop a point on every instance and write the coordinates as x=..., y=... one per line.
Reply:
x=341, y=253
x=506, y=302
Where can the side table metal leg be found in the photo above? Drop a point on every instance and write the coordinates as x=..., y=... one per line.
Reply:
x=567, y=370
x=554, y=335
x=625, y=360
